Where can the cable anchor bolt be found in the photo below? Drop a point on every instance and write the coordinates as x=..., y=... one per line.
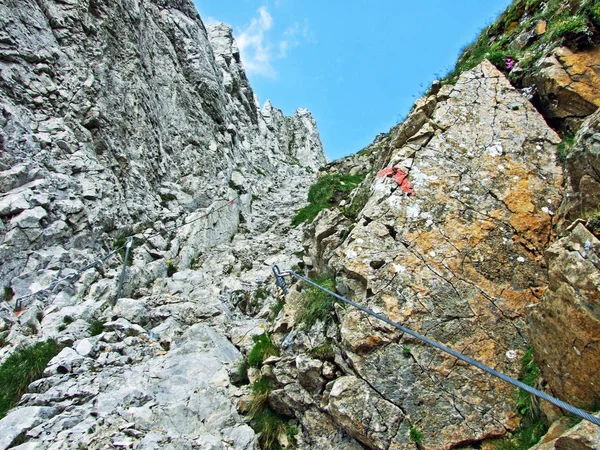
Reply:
x=279, y=279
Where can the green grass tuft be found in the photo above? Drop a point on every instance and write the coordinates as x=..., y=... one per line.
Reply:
x=593, y=12
x=22, y=368
x=358, y=202
x=269, y=425
x=324, y=352
x=316, y=304
x=172, y=268
x=8, y=294
x=261, y=389
x=68, y=319
x=532, y=427
x=96, y=327
x=564, y=148
x=277, y=307
x=291, y=431
x=260, y=293
x=263, y=348
x=529, y=375
x=567, y=26
x=416, y=436
x=242, y=372
x=325, y=193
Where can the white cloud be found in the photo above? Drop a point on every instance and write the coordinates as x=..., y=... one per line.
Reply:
x=254, y=46
x=259, y=50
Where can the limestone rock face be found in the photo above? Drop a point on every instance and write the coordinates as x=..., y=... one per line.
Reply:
x=128, y=113
x=565, y=327
x=132, y=118
x=460, y=261
x=568, y=83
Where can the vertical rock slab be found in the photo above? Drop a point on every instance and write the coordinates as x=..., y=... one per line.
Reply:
x=458, y=261
x=565, y=328
x=583, y=166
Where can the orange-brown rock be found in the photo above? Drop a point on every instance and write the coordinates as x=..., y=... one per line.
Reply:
x=460, y=261
x=540, y=27
x=568, y=83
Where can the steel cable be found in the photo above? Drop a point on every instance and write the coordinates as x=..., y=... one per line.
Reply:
x=563, y=405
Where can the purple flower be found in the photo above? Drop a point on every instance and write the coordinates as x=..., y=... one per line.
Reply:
x=509, y=63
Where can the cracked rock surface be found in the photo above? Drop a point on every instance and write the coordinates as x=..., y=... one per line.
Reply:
x=460, y=262
x=131, y=118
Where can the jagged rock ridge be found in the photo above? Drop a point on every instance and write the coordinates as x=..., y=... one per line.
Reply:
x=134, y=118
x=112, y=113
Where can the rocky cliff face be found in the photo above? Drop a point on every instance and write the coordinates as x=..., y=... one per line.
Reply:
x=133, y=118
x=460, y=261
x=123, y=114
x=480, y=232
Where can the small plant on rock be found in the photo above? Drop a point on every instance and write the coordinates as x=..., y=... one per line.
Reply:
x=270, y=425
x=96, y=327
x=328, y=191
x=171, y=268
x=263, y=348
x=68, y=319
x=316, y=304
x=568, y=26
x=266, y=422
x=564, y=148
x=532, y=427
x=261, y=389
x=8, y=294
x=324, y=352
x=21, y=369
x=277, y=307
x=242, y=373
x=416, y=435
x=260, y=293
x=291, y=431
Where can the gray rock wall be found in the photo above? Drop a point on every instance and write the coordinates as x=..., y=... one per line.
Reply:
x=123, y=113
x=132, y=117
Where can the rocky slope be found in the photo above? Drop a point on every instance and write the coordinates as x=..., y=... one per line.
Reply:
x=134, y=119
x=459, y=261
x=100, y=132
x=121, y=114
x=160, y=373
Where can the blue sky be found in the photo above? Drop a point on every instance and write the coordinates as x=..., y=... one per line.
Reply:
x=357, y=65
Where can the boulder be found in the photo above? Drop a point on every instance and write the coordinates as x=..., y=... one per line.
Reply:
x=568, y=83
x=565, y=327
x=584, y=436
x=21, y=420
x=363, y=413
